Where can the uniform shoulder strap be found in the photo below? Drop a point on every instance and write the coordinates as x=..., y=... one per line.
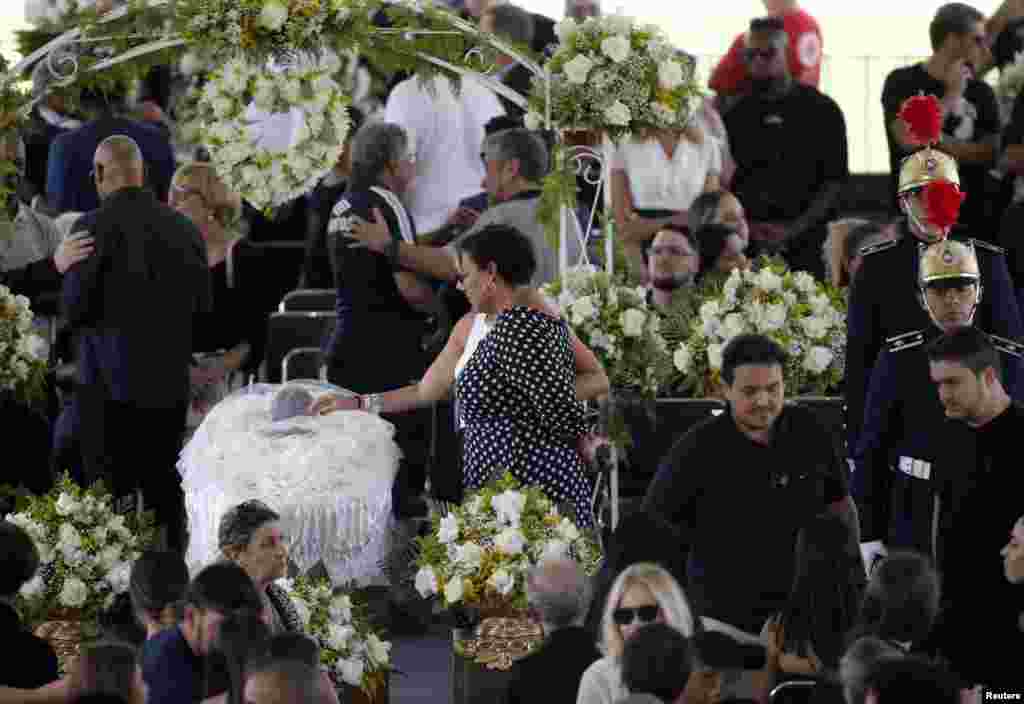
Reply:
x=988, y=246
x=906, y=341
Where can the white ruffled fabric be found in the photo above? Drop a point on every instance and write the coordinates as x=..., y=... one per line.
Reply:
x=329, y=477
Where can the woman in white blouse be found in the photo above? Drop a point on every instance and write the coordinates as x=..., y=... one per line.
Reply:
x=642, y=593
x=655, y=179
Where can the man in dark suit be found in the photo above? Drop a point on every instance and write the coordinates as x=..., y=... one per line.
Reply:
x=559, y=594
x=132, y=303
x=68, y=183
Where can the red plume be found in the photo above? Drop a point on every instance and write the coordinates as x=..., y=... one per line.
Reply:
x=922, y=116
x=942, y=201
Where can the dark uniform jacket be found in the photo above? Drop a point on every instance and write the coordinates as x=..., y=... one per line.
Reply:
x=894, y=481
x=885, y=302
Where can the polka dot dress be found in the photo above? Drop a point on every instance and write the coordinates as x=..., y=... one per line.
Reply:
x=517, y=398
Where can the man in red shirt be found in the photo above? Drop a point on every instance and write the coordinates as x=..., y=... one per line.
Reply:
x=803, y=51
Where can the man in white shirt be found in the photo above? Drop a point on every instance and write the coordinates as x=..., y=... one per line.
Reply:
x=447, y=130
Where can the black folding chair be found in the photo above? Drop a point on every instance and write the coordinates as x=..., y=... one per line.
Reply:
x=303, y=363
x=294, y=330
x=308, y=300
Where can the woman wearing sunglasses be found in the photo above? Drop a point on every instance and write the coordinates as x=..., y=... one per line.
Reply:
x=642, y=593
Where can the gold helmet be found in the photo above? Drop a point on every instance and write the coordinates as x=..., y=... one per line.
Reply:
x=948, y=259
x=924, y=166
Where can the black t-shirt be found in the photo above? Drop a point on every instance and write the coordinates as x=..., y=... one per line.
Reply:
x=978, y=119
x=739, y=505
x=785, y=150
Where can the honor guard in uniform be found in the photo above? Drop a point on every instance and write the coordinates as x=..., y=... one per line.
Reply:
x=884, y=297
x=893, y=482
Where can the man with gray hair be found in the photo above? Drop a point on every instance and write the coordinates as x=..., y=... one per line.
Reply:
x=132, y=303
x=559, y=595
x=516, y=162
x=514, y=25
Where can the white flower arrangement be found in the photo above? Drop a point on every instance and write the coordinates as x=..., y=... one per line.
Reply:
x=350, y=649
x=85, y=550
x=234, y=96
x=478, y=554
x=807, y=318
x=615, y=322
x=613, y=75
x=21, y=367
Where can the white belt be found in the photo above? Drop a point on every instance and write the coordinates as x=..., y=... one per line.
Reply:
x=919, y=469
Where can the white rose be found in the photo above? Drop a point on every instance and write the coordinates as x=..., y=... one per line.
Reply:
x=109, y=556
x=820, y=304
x=619, y=24
x=351, y=670
x=510, y=541
x=453, y=590
x=69, y=536
x=733, y=325
x=338, y=636
x=119, y=577
x=565, y=29
x=789, y=298
x=578, y=69
x=768, y=280
x=426, y=582
x=568, y=530
x=632, y=322
x=616, y=48
x=66, y=504
x=222, y=106
x=683, y=359
x=709, y=311
x=804, y=282
x=303, y=612
x=815, y=327
x=291, y=91
x=508, y=506
x=715, y=356
x=33, y=588
x=46, y=554
x=555, y=550
x=582, y=310
x=274, y=15
x=775, y=316
x=341, y=609
x=475, y=506
x=378, y=650
x=617, y=114
x=503, y=582
x=670, y=74
x=189, y=64
x=74, y=593
x=469, y=555
x=448, y=531
x=533, y=120
x=817, y=359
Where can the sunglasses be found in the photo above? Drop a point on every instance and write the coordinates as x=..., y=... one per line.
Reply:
x=644, y=614
x=765, y=54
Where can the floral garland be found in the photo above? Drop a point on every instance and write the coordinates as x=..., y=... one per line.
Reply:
x=266, y=177
x=617, y=324
x=806, y=317
x=86, y=550
x=611, y=75
x=478, y=554
x=22, y=369
x=349, y=648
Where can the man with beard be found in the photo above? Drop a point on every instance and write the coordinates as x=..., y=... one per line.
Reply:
x=894, y=483
x=789, y=192
x=740, y=485
x=970, y=113
x=672, y=265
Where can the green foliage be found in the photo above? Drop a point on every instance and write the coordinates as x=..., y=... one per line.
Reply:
x=558, y=190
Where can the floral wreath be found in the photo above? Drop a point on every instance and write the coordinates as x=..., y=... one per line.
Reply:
x=264, y=176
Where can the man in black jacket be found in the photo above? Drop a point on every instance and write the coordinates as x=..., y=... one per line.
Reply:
x=559, y=593
x=133, y=302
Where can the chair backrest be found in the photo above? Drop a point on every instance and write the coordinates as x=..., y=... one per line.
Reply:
x=793, y=692
x=303, y=363
x=291, y=330
x=309, y=299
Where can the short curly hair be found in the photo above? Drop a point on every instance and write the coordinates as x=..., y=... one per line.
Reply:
x=18, y=555
x=238, y=525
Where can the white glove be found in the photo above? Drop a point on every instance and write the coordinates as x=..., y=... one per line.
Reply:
x=871, y=552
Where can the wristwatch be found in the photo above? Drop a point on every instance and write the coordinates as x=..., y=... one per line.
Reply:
x=371, y=403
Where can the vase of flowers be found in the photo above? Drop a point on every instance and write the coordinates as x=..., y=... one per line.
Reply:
x=806, y=317
x=476, y=557
x=86, y=552
x=22, y=368
x=353, y=653
x=615, y=76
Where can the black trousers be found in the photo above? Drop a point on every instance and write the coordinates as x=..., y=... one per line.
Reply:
x=131, y=447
